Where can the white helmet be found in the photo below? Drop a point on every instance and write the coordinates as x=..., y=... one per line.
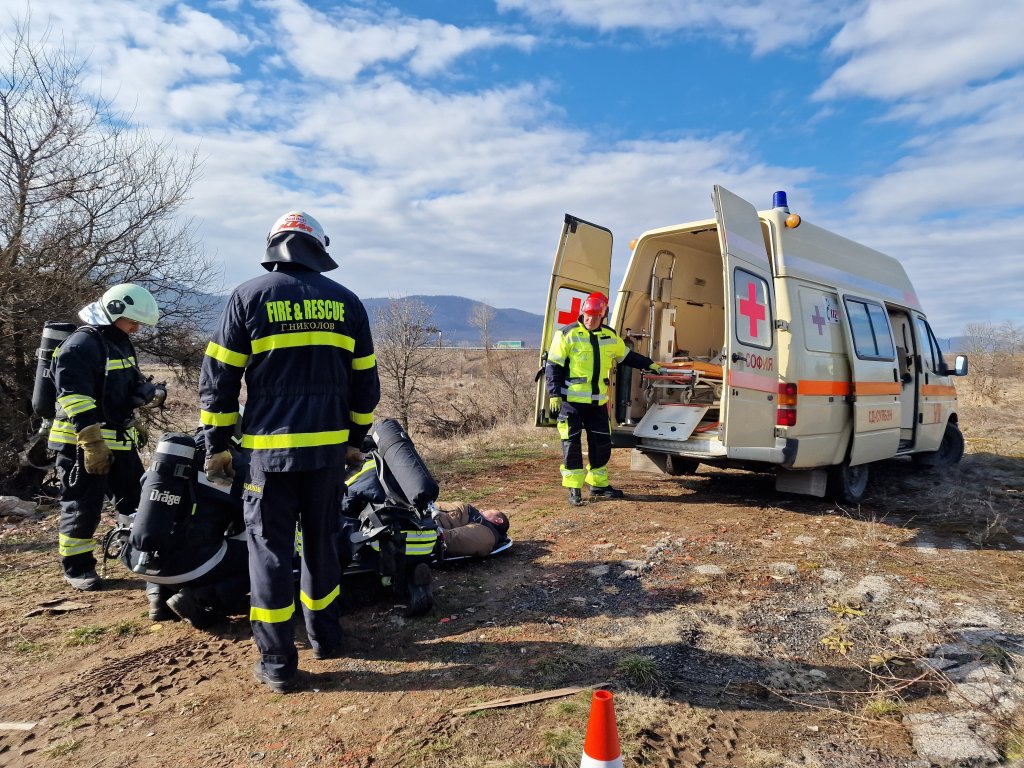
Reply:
x=300, y=221
x=131, y=301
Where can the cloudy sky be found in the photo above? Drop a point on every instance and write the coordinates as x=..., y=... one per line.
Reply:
x=440, y=143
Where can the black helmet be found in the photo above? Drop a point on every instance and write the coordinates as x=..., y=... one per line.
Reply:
x=298, y=238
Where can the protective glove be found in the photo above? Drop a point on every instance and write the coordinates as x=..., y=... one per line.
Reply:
x=555, y=406
x=148, y=394
x=657, y=369
x=219, y=467
x=97, y=454
x=354, y=457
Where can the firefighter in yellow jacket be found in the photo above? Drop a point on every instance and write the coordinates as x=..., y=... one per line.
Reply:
x=579, y=364
x=303, y=344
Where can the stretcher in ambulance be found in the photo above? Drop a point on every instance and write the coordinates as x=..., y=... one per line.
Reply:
x=786, y=347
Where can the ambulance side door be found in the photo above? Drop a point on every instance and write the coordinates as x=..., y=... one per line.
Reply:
x=751, y=352
x=583, y=264
x=876, y=408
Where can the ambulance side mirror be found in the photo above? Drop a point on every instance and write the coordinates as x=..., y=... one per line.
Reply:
x=960, y=366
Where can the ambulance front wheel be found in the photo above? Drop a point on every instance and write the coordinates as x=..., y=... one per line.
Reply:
x=951, y=449
x=848, y=484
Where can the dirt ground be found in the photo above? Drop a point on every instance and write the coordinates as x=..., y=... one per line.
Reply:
x=736, y=626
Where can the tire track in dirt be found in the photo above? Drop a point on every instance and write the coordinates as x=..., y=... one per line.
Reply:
x=123, y=687
x=680, y=743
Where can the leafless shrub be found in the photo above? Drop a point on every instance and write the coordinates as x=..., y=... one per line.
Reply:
x=88, y=200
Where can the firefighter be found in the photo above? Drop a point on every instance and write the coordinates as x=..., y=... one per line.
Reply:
x=99, y=385
x=578, y=366
x=303, y=344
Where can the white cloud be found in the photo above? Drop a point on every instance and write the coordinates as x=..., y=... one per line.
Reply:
x=911, y=47
x=766, y=26
x=342, y=44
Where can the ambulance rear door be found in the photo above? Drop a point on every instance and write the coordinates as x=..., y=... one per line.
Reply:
x=751, y=354
x=583, y=264
x=876, y=379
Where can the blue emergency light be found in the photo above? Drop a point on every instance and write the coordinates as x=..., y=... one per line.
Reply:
x=779, y=201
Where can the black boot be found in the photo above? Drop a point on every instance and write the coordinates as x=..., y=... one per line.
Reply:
x=421, y=599
x=195, y=611
x=605, y=492
x=575, y=497
x=157, y=597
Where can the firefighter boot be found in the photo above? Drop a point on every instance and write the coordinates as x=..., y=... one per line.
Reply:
x=575, y=497
x=158, y=610
x=421, y=600
x=86, y=581
x=605, y=492
x=193, y=610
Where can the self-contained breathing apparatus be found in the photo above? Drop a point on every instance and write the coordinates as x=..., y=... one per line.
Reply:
x=149, y=394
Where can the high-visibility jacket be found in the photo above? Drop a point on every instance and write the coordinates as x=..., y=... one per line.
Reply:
x=97, y=381
x=579, y=363
x=303, y=344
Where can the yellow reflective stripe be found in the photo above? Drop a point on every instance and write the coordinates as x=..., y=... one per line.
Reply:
x=68, y=546
x=271, y=615
x=119, y=364
x=364, y=363
x=367, y=466
x=420, y=542
x=211, y=419
x=226, y=356
x=303, y=339
x=362, y=419
x=295, y=440
x=323, y=602
x=72, y=404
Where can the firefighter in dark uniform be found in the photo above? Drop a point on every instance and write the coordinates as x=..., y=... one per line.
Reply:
x=99, y=385
x=579, y=363
x=303, y=343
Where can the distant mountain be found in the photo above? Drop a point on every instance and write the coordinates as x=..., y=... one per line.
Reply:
x=452, y=315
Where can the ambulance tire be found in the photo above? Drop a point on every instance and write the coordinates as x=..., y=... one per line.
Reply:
x=848, y=485
x=951, y=449
x=676, y=465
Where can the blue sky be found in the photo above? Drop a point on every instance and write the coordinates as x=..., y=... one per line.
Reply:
x=440, y=143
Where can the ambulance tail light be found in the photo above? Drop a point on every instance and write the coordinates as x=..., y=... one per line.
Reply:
x=786, y=414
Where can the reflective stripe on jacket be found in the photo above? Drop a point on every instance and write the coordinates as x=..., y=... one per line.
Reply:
x=303, y=344
x=580, y=361
x=87, y=368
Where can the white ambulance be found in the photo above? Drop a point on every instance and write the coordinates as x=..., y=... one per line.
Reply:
x=786, y=347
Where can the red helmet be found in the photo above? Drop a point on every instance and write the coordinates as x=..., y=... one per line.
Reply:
x=596, y=304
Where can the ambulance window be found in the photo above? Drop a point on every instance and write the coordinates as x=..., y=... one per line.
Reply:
x=751, y=310
x=869, y=325
x=929, y=351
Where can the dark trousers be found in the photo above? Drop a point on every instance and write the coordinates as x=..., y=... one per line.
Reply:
x=274, y=503
x=81, y=502
x=573, y=419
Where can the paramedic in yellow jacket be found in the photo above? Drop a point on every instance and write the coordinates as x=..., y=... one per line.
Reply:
x=578, y=366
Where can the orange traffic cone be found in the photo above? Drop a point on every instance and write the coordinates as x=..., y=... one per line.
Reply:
x=601, y=749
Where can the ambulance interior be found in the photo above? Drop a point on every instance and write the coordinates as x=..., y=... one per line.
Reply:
x=672, y=311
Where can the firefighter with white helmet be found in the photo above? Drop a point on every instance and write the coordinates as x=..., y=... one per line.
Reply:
x=579, y=364
x=99, y=386
x=302, y=343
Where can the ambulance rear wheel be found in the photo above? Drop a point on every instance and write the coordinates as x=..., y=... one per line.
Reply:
x=951, y=449
x=848, y=484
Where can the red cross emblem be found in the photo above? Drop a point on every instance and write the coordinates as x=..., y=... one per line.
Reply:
x=564, y=318
x=818, y=320
x=749, y=307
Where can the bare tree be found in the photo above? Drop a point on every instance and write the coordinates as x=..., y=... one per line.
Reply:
x=481, y=317
x=86, y=201
x=511, y=371
x=996, y=353
x=403, y=335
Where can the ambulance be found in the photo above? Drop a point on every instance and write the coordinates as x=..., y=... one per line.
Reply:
x=786, y=347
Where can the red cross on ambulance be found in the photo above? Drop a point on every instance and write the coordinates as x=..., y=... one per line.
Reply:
x=751, y=308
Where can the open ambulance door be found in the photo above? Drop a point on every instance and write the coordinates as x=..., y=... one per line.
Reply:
x=748, y=410
x=875, y=385
x=583, y=264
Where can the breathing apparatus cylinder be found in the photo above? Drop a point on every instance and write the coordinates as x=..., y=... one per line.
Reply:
x=167, y=496
x=403, y=464
x=44, y=391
